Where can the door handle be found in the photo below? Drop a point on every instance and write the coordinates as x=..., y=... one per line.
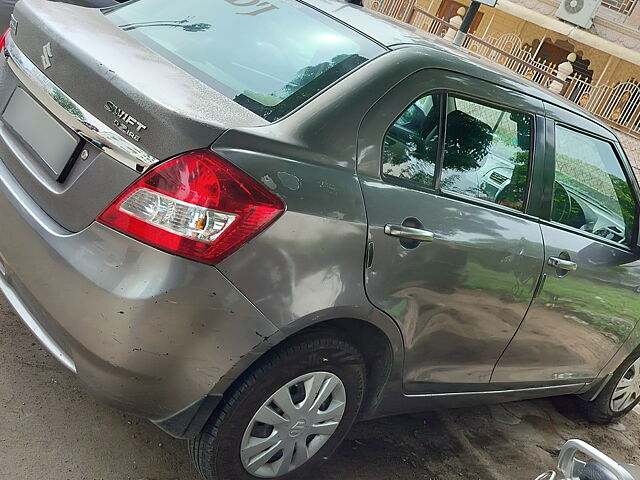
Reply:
x=561, y=264
x=408, y=232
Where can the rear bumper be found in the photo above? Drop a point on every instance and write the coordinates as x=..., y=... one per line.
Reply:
x=146, y=331
x=32, y=322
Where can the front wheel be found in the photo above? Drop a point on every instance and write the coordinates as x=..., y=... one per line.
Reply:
x=619, y=396
x=288, y=413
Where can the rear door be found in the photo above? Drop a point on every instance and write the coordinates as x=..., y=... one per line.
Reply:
x=454, y=255
x=588, y=302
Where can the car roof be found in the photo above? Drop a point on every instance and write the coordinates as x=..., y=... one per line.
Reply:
x=394, y=34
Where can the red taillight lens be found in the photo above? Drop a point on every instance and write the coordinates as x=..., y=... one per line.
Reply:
x=197, y=206
x=3, y=39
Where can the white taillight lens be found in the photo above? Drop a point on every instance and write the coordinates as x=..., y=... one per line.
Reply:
x=181, y=218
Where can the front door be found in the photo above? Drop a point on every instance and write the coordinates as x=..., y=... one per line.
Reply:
x=453, y=256
x=588, y=302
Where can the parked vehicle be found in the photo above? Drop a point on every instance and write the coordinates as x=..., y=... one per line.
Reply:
x=254, y=224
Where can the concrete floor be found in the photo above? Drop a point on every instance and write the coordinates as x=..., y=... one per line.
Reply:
x=51, y=430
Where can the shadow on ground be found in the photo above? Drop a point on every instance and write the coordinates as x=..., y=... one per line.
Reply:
x=50, y=429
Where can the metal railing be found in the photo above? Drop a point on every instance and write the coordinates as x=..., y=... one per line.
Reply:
x=506, y=50
x=621, y=6
x=617, y=104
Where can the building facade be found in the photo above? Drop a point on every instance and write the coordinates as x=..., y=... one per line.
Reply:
x=597, y=68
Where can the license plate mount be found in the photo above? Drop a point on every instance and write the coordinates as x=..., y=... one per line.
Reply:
x=55, y=146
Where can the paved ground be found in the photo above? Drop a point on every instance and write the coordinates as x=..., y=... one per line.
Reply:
x=51, y=430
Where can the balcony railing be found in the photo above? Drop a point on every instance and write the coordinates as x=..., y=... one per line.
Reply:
x=620, y=6
x=617, y=104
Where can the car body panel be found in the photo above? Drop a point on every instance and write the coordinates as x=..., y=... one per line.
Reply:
x=7, y=6
x=115, y=67
x=147, y=331
x=579, y=320
x=84, y=188
x=460, y=299
x=307, y=268
x=582, y=320
x=194, y=113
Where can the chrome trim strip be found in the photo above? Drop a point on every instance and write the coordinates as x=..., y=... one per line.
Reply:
x=517, y=390
x=30, y=321
x=74, y=116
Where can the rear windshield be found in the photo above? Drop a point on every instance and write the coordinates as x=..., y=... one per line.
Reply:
x=268, y=56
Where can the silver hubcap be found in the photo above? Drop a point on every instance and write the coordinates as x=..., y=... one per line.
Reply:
x=628, y=389
x=293, y=424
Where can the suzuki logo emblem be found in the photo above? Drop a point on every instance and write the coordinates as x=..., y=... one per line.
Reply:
x=47, y=55
x=298, y=428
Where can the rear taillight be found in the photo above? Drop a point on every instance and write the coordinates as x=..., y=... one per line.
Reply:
x=3, y=39
x=197, y=206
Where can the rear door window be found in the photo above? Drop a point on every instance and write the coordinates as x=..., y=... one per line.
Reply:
x=487, y=152
x=269, y=56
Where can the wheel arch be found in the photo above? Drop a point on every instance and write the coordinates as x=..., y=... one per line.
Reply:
x=631, y=347
x=375, y=335
x=376, y=348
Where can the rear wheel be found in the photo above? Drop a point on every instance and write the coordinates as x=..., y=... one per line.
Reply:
x=619, y=397
x=288, y=414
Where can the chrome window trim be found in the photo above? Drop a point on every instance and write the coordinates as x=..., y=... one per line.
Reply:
x=74, y=116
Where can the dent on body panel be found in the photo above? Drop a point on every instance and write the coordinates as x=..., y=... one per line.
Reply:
x=461, y=298
x=167, y=325
x=311, y=259
x=294, y=269
x=579, y=321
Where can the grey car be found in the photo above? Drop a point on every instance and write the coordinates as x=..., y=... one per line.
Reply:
x=254, y=223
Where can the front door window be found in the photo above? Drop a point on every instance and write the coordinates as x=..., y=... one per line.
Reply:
x=591, y=192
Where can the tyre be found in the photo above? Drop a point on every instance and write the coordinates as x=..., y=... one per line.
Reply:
x=286, y=415
x=619, y=396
